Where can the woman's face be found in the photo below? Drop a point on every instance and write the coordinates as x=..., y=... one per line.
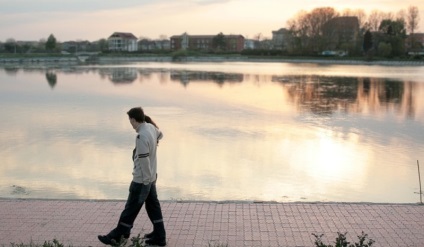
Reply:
x=133, y=123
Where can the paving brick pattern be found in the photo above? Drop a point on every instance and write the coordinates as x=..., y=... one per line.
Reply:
x=78, y=222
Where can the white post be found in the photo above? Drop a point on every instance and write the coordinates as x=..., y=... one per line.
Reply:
x=419, y=179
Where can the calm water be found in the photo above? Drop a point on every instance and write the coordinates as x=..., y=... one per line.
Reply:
x=232, y=131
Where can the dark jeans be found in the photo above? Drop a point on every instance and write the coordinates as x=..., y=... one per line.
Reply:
x=140, y=194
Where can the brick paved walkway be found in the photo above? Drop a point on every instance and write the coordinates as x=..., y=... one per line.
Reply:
x=77, y=223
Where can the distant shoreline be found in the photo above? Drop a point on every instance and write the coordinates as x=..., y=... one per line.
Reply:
x=73, y=60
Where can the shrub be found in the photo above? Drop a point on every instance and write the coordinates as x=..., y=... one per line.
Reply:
x=341, y=241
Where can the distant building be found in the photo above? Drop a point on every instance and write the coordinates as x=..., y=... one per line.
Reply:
x=250, y=44
x=122, y=42
x=69, y=46
x=76, y=46
x=146, y=45
x=265, y=44
x=280, y=38
x=164, y=44
x=415, y=42
x=154, y=45
x=341, y=32
x=234, y=43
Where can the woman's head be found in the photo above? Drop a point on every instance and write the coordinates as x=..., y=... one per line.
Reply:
x=137, y=114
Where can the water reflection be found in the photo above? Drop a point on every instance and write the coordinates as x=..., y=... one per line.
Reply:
x=318, y=94
x=51, y=78
x=11, y=70
x=185, y=77
x=326, y=95
x=228, y=135
x=120, y=75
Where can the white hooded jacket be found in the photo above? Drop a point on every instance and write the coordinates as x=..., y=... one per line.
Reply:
x=144, y=155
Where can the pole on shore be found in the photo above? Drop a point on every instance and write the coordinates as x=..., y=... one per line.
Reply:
x=419, y=179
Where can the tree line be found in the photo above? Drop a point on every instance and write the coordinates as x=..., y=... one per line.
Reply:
x=50, y=45
x=379, y=33
x=384, y=34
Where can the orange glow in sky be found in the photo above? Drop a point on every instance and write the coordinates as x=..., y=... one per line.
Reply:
x=93, y=20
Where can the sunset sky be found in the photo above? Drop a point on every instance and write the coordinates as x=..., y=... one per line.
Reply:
x=95, y=19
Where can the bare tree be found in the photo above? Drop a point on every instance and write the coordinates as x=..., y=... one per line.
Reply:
x=401, y=15
x=389, y=16
x=376, y=17
x=374, y=20
x=362, y=16
x=318, y=17
x=300, y=30
x=298, y=25
x=412, y=19
x=296, y=33
x=307, y=28
x=258, y=37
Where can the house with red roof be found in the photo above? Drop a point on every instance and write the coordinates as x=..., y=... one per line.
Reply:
x=120, y=41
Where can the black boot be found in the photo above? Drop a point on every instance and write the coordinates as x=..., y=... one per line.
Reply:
x=114, y=237
x=156, y=241
x=113, y=241
x=149, y=235
x=159, y=230
x=158, y=236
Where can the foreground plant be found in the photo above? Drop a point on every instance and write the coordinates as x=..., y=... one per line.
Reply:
x=341, y=241
x=54, y=243
x=135, y=242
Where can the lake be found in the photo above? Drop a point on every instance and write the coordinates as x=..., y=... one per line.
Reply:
x=235, y=131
